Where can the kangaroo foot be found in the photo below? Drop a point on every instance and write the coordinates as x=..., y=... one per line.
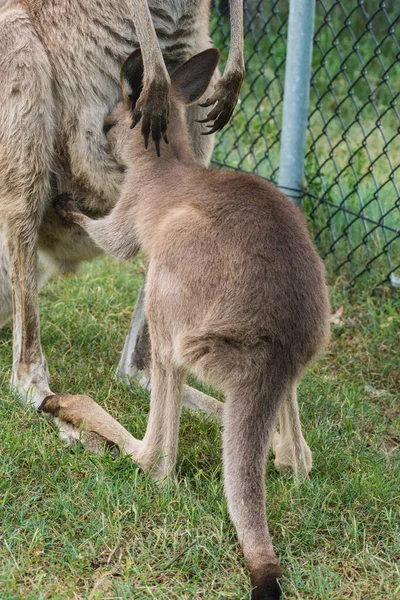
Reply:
x=31, y=382
x=288, y=455
x=80, y=418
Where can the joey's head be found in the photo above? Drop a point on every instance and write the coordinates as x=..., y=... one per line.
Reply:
x=189, y=82
x=116, y=129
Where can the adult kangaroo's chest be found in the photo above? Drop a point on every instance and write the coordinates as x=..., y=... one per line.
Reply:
x=181, y=26
x=88, y=40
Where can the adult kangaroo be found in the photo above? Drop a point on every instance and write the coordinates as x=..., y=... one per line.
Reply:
x=235, y=292
x=60, y=64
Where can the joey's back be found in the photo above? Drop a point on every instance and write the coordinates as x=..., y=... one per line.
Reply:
x=239, y=251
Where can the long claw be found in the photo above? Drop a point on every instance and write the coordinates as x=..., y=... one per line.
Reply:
x=208, y=103
x=218, y=125
x=223, y=119
x=156, y=133
x=146, y=124
x=214, y=114
x=209, y=132
x=165, y=138
x=137, y=115
x=164, y=124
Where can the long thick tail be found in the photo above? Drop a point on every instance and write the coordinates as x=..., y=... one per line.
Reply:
x=249, y=418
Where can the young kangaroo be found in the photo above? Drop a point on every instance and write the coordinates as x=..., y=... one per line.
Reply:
x=235, y=293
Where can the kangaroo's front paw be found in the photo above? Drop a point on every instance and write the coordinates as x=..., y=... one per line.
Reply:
x=225, y=99
x=152, y=108
x=67, y=208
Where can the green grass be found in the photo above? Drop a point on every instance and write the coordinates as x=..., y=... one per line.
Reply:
x=78, y=526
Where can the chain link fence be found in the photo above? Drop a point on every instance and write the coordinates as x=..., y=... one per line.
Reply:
x=352, y=175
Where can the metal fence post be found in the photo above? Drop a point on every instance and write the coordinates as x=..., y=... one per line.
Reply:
x=296, y=97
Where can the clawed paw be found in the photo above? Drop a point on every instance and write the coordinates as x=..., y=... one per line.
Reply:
x=152, y=108
x=66, y=207
x=225, y=99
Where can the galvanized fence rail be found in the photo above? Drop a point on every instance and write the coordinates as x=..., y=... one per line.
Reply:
x=347, y=136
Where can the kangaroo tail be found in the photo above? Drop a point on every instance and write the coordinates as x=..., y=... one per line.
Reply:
x=250, y=414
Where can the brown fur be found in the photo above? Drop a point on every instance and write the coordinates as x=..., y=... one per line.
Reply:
x=235, y=293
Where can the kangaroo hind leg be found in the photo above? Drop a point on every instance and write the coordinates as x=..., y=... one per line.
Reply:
x=26, y=144
x=160, y=443
x=135, y=364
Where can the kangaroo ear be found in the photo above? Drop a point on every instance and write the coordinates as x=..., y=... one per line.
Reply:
x=192, y=79
x=132, y=79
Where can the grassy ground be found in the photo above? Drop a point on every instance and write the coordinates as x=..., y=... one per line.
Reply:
x=78, y=526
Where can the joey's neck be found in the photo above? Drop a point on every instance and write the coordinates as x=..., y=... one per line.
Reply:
x=176, y=162
x=156, y=185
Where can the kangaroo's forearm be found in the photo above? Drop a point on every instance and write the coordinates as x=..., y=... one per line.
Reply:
x=153, y=61
x=235, y=58
x=113, y=237
x=113, y=234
